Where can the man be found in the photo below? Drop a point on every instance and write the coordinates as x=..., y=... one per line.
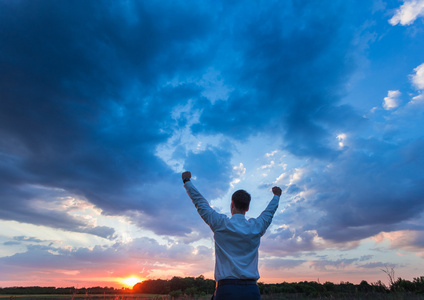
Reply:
x=236, y=241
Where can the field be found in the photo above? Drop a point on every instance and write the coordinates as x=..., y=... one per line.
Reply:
x=87, y=297
x=371, y=296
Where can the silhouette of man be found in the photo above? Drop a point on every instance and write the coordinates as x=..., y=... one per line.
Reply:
x=236, y=241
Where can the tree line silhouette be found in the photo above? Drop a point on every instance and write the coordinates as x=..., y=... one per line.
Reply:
x=199, y=286
x=178, y=286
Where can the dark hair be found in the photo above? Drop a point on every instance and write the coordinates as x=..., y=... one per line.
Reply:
x=241, y=199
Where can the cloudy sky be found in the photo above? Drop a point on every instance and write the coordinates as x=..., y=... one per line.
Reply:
x=104, y=103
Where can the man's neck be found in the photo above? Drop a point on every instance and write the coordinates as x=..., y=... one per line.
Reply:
x=237, y=212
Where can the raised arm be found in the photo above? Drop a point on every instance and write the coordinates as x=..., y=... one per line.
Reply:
x=266, y=216
x=208, y=214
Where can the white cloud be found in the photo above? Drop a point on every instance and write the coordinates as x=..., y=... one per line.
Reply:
x=392, y=100
x=418, y=78
x=270, y=165
x=291, y=177
x=271, y=153
x=416, y=102
x=417, y=99
x=408, y=12
x=240, y=171
x=374, y=109
x=342, y=138
x=281, y=178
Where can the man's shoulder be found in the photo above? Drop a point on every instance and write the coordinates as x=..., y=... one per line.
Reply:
x=252, y=220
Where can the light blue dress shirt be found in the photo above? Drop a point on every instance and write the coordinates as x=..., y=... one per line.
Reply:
x=236, y=239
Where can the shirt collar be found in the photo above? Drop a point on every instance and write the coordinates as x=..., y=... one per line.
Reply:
x=238, y=216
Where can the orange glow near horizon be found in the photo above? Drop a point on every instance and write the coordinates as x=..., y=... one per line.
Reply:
x=130, y=281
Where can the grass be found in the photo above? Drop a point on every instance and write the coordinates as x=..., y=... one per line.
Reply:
x=87, y=297
x=370, y=296
x=102, y=296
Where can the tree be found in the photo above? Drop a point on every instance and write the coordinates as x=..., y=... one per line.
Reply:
x=365, y=287
x=391, y=274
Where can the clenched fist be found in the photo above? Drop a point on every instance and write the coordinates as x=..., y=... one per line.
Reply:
x=186, y=175
x=276, y=191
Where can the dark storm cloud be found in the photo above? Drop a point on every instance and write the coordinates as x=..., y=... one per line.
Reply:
x=83, y=103
x=289, y=67
x=373, y=186
x=88, y=89
x=31, y=210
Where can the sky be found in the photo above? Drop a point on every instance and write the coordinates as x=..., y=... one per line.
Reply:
x=104, y=103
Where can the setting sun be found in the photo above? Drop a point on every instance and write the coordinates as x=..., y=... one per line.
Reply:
x=130, y=281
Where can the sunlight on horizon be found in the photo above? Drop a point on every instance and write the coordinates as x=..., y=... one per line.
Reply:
x=130, y=281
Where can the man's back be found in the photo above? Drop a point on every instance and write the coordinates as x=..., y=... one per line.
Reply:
x=236, y=239
x=236, y=248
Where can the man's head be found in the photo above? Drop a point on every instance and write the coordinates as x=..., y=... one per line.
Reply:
x=241, y=200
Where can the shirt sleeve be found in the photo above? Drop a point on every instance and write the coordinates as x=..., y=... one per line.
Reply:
x=208, y=214
x=266, y=216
